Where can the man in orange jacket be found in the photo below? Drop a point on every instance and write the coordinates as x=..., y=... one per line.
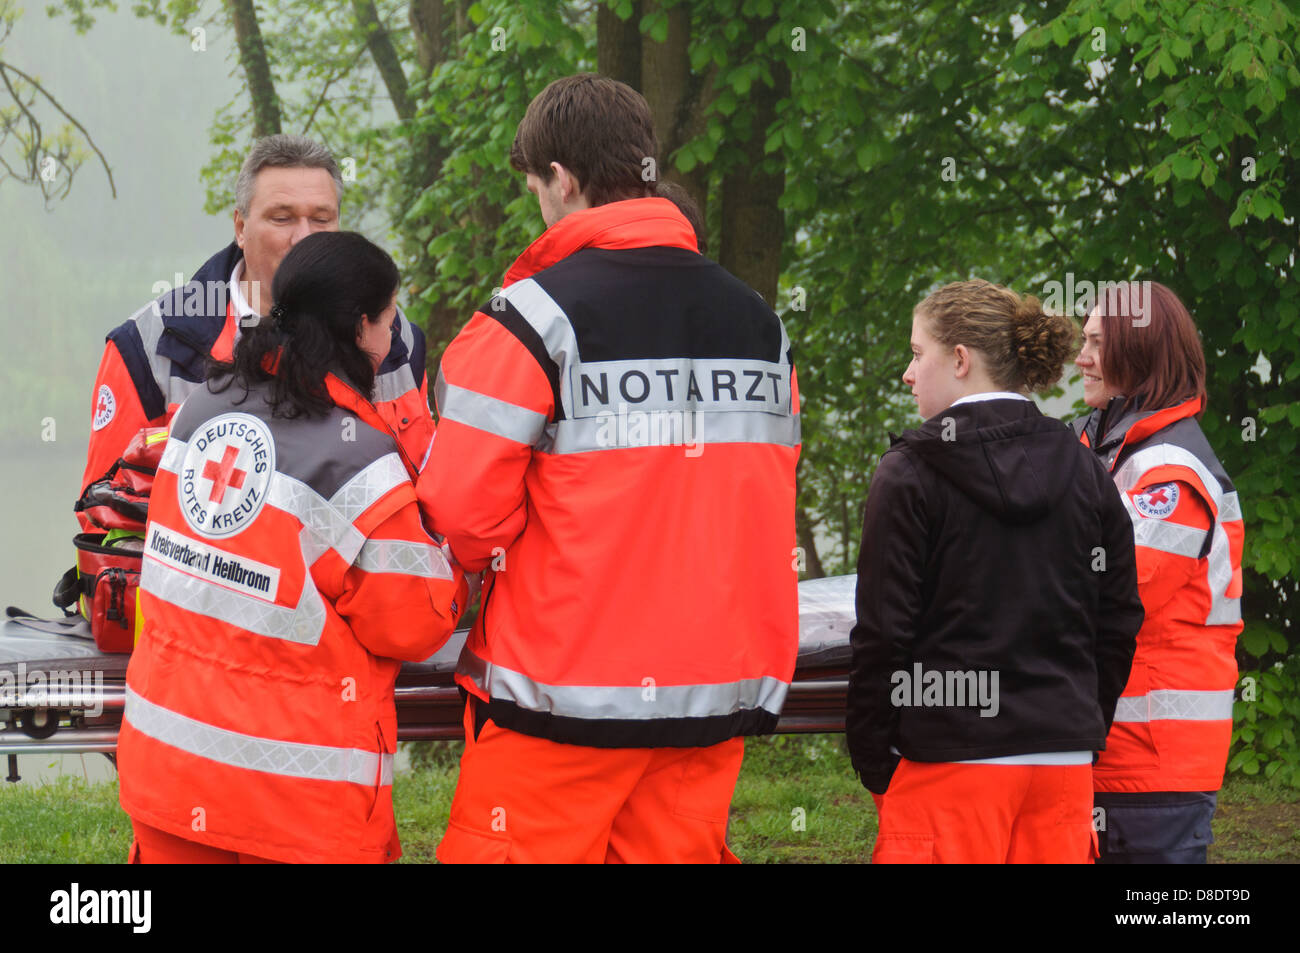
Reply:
x=617, y=443
x=288, y=188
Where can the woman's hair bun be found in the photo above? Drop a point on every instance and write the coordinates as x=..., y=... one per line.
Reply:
x=1024, y=347
x=1043, y=343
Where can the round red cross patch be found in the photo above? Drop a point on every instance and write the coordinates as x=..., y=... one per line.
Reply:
x=226, y=474
x=105, y=407
x=1157, y=502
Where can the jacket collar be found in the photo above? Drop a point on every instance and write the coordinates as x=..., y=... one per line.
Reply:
x=1122, y=423
x=193, y=316
x=188, y=338
x=346, y=396
x=632, y=223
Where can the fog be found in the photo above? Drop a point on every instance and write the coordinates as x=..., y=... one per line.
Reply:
x=70, y=274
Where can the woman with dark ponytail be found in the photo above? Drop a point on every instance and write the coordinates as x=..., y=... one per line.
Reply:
x=286, y=574
x=334, y=311
x=988, y=652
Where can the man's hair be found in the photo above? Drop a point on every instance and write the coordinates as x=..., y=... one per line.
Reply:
x=597, y=128
x=283, y=152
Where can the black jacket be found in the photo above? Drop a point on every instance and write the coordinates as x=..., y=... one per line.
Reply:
x=997, y=554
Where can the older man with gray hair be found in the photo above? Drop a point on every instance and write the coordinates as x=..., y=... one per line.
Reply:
x=289, y=187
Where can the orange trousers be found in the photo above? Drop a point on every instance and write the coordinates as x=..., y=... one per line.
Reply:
x=153, y=846
x=522, y=799
x=986, y=814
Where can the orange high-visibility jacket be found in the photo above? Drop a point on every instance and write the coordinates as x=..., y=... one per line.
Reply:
x=1173, y=723
x=618, y=433
x=158, y=356
x=286, y=572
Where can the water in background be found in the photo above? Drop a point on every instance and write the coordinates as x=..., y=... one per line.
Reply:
x=70, y=273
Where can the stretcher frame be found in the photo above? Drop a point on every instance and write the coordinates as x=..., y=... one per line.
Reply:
x=59, y=717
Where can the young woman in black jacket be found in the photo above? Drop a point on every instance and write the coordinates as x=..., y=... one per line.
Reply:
x=997, y=602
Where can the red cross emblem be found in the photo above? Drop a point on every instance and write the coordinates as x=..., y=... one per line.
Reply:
x=223, y=474
x=1158, y=495
x=102, y=406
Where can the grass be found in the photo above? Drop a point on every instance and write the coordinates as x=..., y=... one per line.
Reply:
x=796, y=802
x=68, y=821
x=1256, y=822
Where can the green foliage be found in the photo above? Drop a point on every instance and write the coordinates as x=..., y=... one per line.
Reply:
x=917, y=139
x=328, y=88
x=34, y=151
x=461, y=232
x=1265, y=723
x=1190, y=144
x=917, y=144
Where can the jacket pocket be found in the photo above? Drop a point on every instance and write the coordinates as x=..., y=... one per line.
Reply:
x=463, y=845
x=379, y=797
x=1131, y=746
x=904, y=849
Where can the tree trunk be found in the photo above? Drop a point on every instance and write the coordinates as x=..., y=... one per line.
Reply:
x=676, y=98
x=429, y=20
x=752, y=225
x=385, y=57
x=804, y=535
x=437, y=26
x=618, y=45
x=252, y=57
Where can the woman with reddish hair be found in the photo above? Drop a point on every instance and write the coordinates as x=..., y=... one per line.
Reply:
x=1144, y=373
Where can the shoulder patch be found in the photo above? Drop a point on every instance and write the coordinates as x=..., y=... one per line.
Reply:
x=226, y=474
x=105, y=407
x=1157, y=502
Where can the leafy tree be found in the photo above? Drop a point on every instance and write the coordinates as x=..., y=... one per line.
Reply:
x=1190, y=158
x=30, y=153
x=849, y=157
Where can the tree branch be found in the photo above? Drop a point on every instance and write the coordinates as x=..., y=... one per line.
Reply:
x=961, y=134
x=67, y=115
x=385, y=57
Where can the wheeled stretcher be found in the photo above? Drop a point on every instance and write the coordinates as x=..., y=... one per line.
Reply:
x=60, y=695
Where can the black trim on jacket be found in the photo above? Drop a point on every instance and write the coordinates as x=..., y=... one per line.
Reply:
x=629, y=732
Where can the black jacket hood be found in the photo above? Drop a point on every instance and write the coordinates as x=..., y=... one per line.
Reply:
x=1003, y=454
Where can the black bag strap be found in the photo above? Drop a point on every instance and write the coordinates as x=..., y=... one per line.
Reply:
x=103, y=493
x=66, y=592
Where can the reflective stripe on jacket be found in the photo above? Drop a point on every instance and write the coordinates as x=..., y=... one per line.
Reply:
x=158, y=356
x=618, y=433
x=286, y=573
x=1173, y=723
